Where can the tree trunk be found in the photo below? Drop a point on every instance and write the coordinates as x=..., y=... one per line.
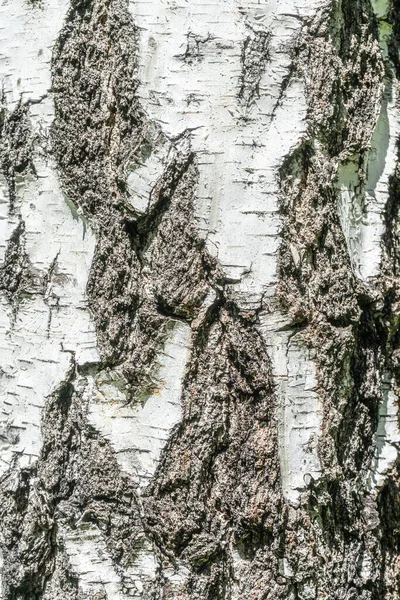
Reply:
x=199, y=299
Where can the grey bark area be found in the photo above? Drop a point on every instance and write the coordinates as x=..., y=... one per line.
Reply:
x=213, y=432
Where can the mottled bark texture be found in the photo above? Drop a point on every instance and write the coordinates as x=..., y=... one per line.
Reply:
x=199, y=328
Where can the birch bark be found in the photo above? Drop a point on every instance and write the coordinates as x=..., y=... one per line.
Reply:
x=199, y=295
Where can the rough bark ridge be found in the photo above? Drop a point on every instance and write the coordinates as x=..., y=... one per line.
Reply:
x=232, y=430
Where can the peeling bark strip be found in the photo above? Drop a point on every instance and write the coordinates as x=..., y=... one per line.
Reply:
x=199, y=333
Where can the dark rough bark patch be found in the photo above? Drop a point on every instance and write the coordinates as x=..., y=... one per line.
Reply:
x=322, y=282
x=254, y=61
x=19, y=279
x=17, y=276
x=218, y=486
x=394, y=19
x=75, y=482
x=16, y=144
x=354, y=328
